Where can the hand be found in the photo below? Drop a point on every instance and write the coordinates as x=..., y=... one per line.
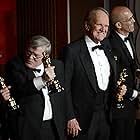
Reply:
x=5, y=92
x=121, y=92
x=49, y=73
x=73, y=127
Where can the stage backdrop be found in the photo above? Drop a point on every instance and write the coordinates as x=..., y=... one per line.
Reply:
x=8, y=45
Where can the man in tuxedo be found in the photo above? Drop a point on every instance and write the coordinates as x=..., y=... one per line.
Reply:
x=41, y=106
x=89, y=79
x=123, y=48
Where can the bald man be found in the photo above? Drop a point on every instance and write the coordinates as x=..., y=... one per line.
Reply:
x=123, y=118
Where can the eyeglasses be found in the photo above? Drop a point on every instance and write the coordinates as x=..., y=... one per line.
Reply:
x=34, y=56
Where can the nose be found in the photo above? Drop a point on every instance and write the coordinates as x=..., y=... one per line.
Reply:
x=103, y=28
x=133, y=19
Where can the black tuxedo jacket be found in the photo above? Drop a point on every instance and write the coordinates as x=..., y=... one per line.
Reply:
x=25, y=124
x=81, y=83
x=124, y=61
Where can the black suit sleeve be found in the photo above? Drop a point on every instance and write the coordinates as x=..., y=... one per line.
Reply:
x=18, y=77
x=69, y=69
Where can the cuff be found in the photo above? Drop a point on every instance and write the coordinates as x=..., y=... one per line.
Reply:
x=134, y=95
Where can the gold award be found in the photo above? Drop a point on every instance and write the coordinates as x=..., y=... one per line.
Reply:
x=11, y=102
x=120, y=82
x=53, y=85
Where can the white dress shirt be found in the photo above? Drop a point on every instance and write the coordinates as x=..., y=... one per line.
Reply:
x=39, y=84
x=100, y=62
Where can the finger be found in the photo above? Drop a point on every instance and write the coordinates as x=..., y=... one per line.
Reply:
x=79, y=128
x=70, y=130
x=6, y=96
x=53, y=67
x=8, y=87
x=76, y=132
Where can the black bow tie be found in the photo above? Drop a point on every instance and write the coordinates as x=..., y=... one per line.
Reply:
x=37, y=70
x=97, y=47
x=126, y=38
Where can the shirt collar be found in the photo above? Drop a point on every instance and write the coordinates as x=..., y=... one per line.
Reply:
x=90, y=43
x=121, y=36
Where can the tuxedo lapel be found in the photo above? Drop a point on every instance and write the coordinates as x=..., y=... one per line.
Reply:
x=88, y=64
x=127, y=52
x=27, y=71
x=30, y=74
x=124, y=47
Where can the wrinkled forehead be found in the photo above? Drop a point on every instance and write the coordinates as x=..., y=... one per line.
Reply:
x=99, y=18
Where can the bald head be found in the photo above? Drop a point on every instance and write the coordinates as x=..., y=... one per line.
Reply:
x=119, y=13
x=122, y=20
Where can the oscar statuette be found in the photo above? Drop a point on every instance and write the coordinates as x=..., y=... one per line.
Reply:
x=120, y=82
x=53, y=85
x=11, y=102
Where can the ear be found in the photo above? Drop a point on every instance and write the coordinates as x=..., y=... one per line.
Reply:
x=87, y=27
x=118, y=25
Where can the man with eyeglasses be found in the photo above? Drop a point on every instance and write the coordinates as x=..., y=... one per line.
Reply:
x=41, y=112
x=123, y=119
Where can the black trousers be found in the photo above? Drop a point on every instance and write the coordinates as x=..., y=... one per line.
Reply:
x=122, y=129
x=99, y=128
x=48, y=131
x=137, y=129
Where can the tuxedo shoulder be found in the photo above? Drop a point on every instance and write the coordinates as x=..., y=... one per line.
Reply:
x=15, y=62
x=75, y=44
x=57, y=62
x=74, y=48
x=106, y=43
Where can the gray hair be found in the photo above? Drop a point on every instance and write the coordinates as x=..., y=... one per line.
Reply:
x=40, y=41
x=92, y=14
